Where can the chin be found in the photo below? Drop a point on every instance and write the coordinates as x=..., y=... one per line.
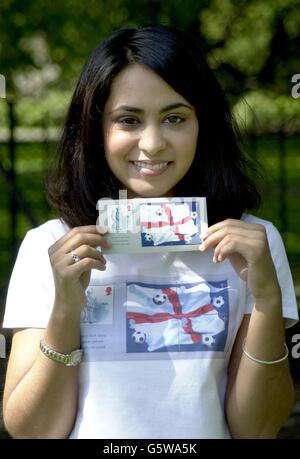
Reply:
x=152, y=193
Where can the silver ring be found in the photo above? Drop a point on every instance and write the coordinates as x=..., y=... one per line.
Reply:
x=75, y=256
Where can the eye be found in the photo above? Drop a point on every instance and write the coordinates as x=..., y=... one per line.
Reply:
x=174, y=119
x=128, y=121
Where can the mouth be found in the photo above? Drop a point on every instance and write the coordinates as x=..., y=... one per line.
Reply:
x=151, y=167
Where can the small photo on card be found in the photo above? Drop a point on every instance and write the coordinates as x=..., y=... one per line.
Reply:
x=142, y=225
x=120, y=218
x=99, y=305
x=169, y=223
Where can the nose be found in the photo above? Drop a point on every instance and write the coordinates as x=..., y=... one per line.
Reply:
x=152, y=140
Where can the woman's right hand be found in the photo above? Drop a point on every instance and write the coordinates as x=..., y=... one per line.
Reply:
x=71, y=278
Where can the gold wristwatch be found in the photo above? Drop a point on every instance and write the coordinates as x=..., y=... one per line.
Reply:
x=70, y=360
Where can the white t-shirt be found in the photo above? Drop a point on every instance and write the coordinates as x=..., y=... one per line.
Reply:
x=157, y=333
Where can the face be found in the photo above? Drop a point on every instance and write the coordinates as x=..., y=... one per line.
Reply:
x=150, y=133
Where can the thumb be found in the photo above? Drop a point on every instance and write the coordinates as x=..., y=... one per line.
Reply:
x=102, y=229
x=240, y=265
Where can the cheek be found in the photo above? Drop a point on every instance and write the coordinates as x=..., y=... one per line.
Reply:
x=193, y=141
x=117, y=143
x=187, y=144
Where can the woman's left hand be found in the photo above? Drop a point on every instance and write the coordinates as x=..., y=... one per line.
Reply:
x=246, y=246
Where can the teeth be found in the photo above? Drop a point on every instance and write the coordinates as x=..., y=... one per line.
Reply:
x=154, y=167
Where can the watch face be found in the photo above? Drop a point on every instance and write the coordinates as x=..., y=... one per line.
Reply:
x=76, y=357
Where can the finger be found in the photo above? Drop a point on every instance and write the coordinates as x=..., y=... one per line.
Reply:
x=86, y=251
x=237, y=261
x=231, y=251
x=86, y=264
x=237, y=245
x=79, y=239
x=70, y=246
x=77, y=234
x=232, y=223
x=102, y=229
x=215, y=238
x=69, y=269
x=62, y=259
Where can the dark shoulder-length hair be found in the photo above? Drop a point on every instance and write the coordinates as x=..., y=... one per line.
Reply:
x=220, y=171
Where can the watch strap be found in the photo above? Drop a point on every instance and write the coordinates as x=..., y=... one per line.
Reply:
x=70, y=360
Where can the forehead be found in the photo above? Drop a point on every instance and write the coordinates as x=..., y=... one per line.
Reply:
x=136, y=85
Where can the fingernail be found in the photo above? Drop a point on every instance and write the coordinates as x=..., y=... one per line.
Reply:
x=98, y=248
x=214, y=260
x=202, y=247
x=102, y=229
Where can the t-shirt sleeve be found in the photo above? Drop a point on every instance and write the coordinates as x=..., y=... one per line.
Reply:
x=30, y=293
x=289, y=303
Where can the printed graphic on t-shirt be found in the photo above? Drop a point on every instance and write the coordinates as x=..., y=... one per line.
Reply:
x=99, y=305
x=141, y=319
x=169, y=224
x=176, y=318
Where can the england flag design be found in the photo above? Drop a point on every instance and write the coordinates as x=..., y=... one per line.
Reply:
x=168, y=223
x=187, y=317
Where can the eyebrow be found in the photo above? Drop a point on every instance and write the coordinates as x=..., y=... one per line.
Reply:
x=128, y=108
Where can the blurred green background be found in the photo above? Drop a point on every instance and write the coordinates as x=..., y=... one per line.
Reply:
x=253, y=46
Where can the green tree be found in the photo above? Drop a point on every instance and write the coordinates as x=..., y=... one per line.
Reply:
x=253, y=45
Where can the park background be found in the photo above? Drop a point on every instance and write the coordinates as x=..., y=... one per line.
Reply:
x=254, y=48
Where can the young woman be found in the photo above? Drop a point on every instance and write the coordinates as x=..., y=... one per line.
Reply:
x=148, y=116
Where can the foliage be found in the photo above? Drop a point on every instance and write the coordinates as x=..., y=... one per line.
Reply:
x=260, y=112
x=253, y=45
x=255, y=41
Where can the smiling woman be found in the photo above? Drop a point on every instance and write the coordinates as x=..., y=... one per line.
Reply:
x=178, y=71
x=194, y=336
x=150, y=142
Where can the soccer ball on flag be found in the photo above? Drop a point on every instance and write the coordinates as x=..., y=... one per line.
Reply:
x=139, y=337
x=208, y=340
x=159, y=298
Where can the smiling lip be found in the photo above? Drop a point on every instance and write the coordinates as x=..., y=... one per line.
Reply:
x=153, y=168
